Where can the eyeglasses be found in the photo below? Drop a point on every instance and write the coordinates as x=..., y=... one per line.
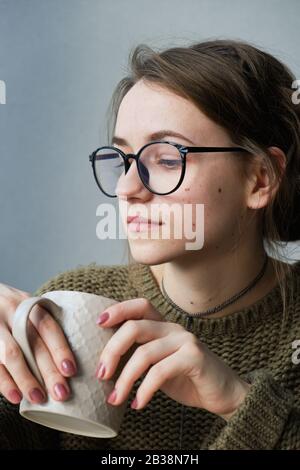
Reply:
x=161, y=165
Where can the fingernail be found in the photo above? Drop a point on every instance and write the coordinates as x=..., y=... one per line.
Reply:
x=36, y=395
x=68, y=367
x=102, y=318
x=15, y=396
x=112, y=397
x=60, y=391
x=100, y=371
x=134, y=404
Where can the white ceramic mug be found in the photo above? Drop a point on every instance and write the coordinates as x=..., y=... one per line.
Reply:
x=86, y=412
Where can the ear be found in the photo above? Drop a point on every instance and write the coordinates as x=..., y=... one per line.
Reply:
x=260, y=189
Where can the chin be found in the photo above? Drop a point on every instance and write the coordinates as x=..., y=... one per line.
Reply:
x=152, y=253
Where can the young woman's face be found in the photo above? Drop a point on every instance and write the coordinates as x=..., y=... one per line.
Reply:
x=211, y=179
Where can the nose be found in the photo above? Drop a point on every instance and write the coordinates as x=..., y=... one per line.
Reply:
x=130, y=185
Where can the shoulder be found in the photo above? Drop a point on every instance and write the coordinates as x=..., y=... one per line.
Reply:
x=107, y=280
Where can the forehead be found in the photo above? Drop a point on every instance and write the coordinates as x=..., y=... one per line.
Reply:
x=150, y=106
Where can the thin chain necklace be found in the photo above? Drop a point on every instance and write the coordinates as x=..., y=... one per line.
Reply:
x=224, y=304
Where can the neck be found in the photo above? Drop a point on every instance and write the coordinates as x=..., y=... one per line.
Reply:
x=208, y=284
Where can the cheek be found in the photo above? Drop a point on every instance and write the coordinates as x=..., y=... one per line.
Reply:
x=222, y=204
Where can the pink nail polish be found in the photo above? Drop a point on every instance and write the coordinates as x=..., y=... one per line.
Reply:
x=60, y=391
x=15, y=396
x=97, y=370
x=112, y=397
x=36, y=395
x=100, y=371
x=134, y=404
x=102, y=318
x=68, y=367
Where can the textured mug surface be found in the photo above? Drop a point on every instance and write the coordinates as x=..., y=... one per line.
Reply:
x=86, y=412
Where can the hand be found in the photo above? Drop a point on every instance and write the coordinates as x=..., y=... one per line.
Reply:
x=50, y=348
x=179, y=363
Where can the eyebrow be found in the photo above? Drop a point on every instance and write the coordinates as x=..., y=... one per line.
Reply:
x=154, y=136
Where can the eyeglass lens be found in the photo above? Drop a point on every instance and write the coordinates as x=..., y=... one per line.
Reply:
x=159, y=164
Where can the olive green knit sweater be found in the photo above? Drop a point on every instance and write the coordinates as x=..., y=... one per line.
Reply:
x=256, y=340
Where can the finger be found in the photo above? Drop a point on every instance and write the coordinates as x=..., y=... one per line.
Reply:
x=7, y=290
x=55, y=340
x=8, y=387
x=131, y=332
x=168, y=368
x=129, y=309
x=17, y=367
x=55, y=383
x=144, y=356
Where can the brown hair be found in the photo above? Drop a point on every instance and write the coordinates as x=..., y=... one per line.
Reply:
x=249, y=93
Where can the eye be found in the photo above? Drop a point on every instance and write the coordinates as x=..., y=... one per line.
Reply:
x=169, y=163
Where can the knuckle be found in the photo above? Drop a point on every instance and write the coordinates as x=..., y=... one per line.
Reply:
x=24, y=295
x=51, y=375
x=157, y=372
x=12, y=352
x=11, y=304
x=62, y=351
x=132, y=325
x=143, y=353
x=109, y=352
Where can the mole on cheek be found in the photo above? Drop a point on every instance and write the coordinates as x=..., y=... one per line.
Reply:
x=220, y=190
x=187, y=189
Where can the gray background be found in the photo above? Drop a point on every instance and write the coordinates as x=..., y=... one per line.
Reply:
x=61, y=60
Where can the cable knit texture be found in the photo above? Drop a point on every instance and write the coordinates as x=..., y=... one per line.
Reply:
x=256, y=342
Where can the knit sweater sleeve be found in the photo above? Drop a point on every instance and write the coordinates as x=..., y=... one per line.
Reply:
x=267, y=419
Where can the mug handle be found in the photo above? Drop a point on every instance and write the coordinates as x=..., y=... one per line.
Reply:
x=19, y=328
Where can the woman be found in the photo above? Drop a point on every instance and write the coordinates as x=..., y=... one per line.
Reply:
x=216, y=366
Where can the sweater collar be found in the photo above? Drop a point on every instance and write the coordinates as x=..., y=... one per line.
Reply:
x=270, y=305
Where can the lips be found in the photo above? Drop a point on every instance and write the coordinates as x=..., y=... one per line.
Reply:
x=141, y=220
x=130, y=218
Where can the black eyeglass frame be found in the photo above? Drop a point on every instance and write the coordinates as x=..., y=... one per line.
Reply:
x=183, y=150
